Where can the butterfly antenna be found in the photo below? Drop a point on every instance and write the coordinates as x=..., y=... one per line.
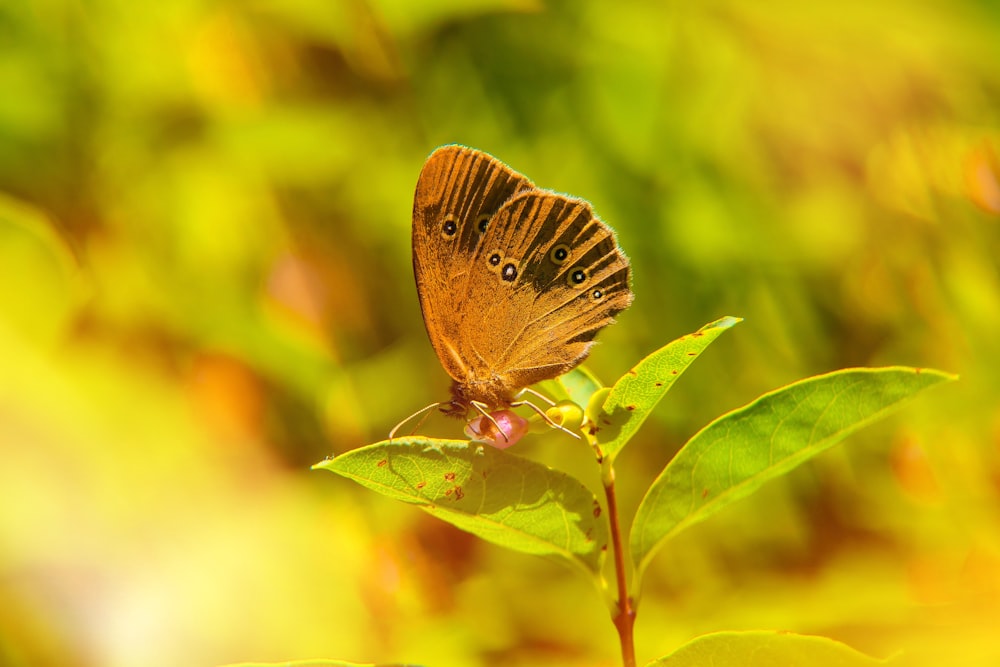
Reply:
x=421, y=411
x=548, y=420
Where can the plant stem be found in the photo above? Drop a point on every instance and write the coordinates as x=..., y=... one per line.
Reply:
x=624, y=618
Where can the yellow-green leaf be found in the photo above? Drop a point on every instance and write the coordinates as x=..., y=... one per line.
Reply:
x=734, y=455
x=501, y=497
x=765, y=649
x=637, y=392
x=577, y=385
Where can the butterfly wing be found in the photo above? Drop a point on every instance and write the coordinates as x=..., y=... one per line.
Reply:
x=458, y=192
x=545, y=278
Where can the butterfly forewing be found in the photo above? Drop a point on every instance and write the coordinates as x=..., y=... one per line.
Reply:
x=458, y=193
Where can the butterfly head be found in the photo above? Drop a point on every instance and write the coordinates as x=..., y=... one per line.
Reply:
x=490, y=394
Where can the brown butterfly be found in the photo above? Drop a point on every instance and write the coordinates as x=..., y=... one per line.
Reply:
x=514, y=281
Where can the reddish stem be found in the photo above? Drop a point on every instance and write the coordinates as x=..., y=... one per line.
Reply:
x=624, y=618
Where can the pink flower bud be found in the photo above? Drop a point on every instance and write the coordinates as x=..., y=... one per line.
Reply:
x=512, y=427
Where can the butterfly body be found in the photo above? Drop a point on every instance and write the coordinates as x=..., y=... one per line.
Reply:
x=514, y=281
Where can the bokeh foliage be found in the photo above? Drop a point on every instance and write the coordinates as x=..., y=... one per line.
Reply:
x=205, y=287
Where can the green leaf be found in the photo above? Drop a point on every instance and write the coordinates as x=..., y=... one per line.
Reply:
x=577, y=385
x=502, y=498
x=735, y=454
x=765, y=649
x=635, y=395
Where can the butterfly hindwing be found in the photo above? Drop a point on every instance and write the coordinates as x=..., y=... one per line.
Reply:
x=546, y=278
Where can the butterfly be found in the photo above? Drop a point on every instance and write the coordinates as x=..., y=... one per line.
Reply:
x=514, y=281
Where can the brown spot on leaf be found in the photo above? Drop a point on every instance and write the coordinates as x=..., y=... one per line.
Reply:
x=449, y=477
x=459, y=494
x=659, y=384
x=673, y=372
x=382, y=462
x=449, y=492
x=704, y=493
x=632, y=372
x=593, y=429
x=692, y=354
x=597, y=510
x=630, y=408
x=421, y=485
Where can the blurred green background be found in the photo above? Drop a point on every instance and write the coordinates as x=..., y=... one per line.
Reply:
x=205, y=287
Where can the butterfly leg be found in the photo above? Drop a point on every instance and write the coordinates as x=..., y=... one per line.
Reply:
x=529, y=390
x=544, y=416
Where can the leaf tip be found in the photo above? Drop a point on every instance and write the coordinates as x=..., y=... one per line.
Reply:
x=322, y=465
x=726, y=322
